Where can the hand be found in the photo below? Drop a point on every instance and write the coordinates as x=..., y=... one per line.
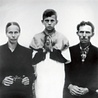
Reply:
x=97, y=91
x=8, y=81
x=25, y=81
x=77, y=91
x=48, y=43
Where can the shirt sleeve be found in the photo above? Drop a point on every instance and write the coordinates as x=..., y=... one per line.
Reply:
x=65, y=50
x=61, y=42
x=37, y=42
x=66, y=54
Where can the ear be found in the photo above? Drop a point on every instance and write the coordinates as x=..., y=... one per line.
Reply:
x=56, y=21
x=77, y=32
x=92, y=34
x=42, y=21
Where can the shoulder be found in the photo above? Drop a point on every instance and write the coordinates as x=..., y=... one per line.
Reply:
x=2, y=47
x=24, y=49
x=94, y=48
x=41, y=34
x=61, y=37
x=74, y=47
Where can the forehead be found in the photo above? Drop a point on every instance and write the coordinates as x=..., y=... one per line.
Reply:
x=85, y=28
x=51, y=17
x=13, y=28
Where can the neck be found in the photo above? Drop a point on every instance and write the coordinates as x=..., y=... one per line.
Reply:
x=12, y=46
x=84, y=45
x=49, y=32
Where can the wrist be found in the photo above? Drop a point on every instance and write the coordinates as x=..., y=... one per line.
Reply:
x=43, y=49
x=70, y=85
x=87, y=89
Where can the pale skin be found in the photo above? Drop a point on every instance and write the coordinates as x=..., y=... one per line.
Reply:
x=13, y=35
x=85, y=33
x=49, y=23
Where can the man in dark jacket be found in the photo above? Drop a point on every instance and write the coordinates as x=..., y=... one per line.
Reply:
x=16, y=71
x=82, y=73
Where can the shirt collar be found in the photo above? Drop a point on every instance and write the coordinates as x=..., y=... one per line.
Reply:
x=12, y=50
x=85, y=47
x=49, y=34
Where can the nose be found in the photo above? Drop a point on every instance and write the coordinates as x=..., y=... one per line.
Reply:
x=49, y=22
x=84, y=33
x=13, y=34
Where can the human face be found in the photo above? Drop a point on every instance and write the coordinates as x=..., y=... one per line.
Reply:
x=50, y=22
x=13, y=34
x=85, y=33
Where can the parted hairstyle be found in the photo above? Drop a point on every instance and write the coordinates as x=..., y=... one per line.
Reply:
x=83, y=23
x=12, y=23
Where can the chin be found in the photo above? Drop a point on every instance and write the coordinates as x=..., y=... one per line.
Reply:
x=84, y=42
x=50, y=29
x=13, y=42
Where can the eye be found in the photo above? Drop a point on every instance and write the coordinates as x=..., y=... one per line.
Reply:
x=47, y=20
x=52, y=20
x=81, y=31
x=10, y=32
x=16, y=32
x=87, y=32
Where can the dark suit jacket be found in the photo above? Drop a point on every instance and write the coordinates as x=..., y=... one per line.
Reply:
x=83, y=74
x=17, y=63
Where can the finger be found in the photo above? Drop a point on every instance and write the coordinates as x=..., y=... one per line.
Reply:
x=73, y=93
x=25, y=79
x=76, y=91
x=84, y=91
x=6, y=84
x=10, y=82
x=9, y=78
x=26, y=83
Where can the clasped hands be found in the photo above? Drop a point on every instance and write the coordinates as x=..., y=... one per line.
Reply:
x=48, y=44
x=77, y=91
x=9, y=80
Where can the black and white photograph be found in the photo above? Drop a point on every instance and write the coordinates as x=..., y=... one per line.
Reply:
x=48, y=49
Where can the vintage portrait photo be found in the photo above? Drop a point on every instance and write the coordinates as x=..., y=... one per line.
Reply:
x=48, y=49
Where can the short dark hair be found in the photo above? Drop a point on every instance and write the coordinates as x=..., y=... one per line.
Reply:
x=49, y=13
x=85, y=23
x=12, y=23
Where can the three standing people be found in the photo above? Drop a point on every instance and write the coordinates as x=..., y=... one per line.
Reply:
x=17, y=73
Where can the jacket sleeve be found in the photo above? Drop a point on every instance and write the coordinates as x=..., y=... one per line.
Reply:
x=38, y=57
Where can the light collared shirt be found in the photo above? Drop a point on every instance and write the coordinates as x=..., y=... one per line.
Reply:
x=59, y=40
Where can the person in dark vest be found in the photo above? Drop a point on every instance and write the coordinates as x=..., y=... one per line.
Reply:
x=82, y=73
x=16, y=71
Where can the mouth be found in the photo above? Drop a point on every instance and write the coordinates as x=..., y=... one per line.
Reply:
x=84, y=40
x=13, y=39
x=49, y=28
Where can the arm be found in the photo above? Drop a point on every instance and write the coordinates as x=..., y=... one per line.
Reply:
x=38, y=50
x=38, y=57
